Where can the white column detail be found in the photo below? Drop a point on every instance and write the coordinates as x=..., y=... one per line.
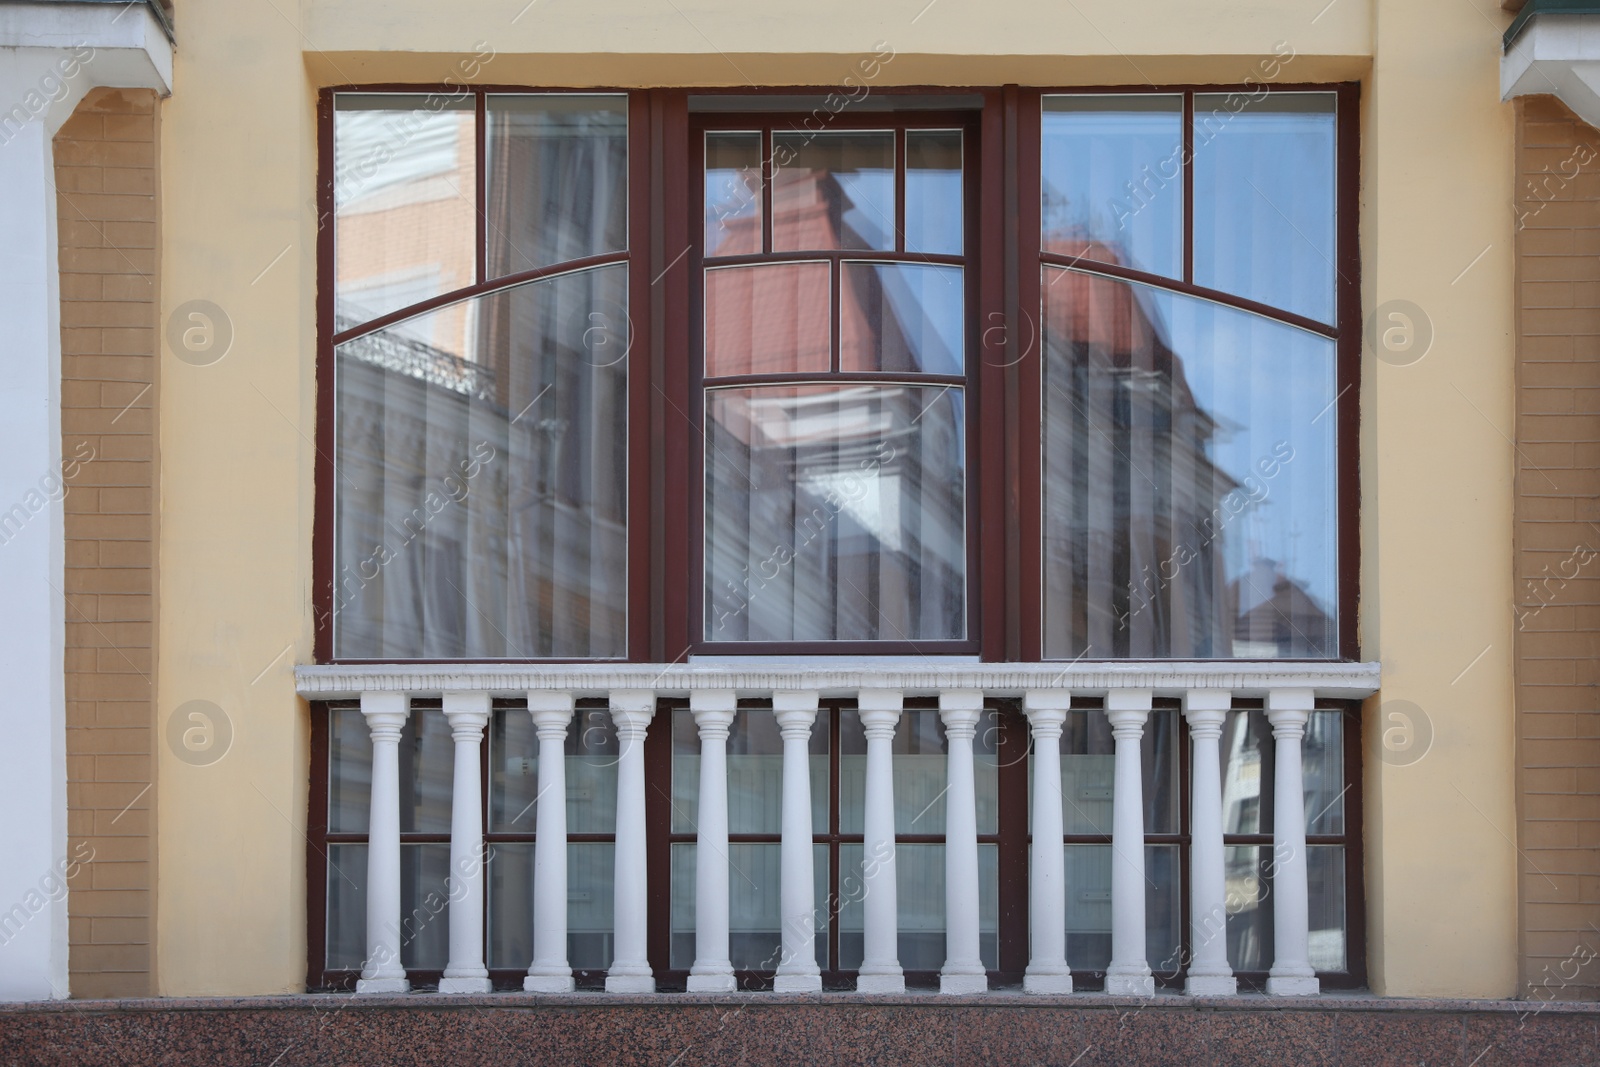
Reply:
x=1047, y=971
x=1288, y=710
x=464, y=972
x=382, y=972
x=551, y=711
x=631, y=710
x=1129, y=972
x=713, y=711
x=796, y=712
x=880, y=965
x=1209, y=974
x=963, y=970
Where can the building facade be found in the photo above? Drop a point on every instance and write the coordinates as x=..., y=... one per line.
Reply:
x=1073, y=500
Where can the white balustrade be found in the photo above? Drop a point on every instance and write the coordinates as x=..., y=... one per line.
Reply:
x=963, y=970
x=467, y=714
x=1206, y=710
x=880, y=936
x=796, y=712
x=1288, y=710
x=551, y=711
x=1129, y=972
x=383, y=972
x=631, y=710
x=713, y=712
x=1207, y=691
x=1047, y=902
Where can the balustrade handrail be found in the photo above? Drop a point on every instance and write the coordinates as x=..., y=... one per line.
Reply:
x=841, y=676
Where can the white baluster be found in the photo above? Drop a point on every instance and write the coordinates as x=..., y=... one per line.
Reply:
x=1209, y=974
x=796, y=712
x=880, y=966
x=1129, y=972
x=1288, y=710
x=1047, y=894
x=963, y=970
x=712, y=972
x=550, y=972
x=631, y=710
x=383, y=973
x=467, y=714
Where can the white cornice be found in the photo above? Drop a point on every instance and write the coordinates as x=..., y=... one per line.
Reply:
x=840, y=677
x=1556, y=54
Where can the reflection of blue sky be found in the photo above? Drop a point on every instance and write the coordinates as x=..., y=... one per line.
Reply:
x=933, y=211
x=1090, y=157
x=729, y=197
x=926, y=302
x=869, y=200
x=1263, y=382
x=1264, y=212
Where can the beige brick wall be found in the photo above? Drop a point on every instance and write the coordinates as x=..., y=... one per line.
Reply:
x=1557, y=556
x=106, y=211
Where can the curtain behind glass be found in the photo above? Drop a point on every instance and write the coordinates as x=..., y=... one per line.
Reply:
x=481, y=478
x=1189, y=478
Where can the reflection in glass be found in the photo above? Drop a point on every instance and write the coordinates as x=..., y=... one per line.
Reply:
x=1113, y=180
x=590, y=901
x=424, y=905
x=1249, y=870
x=755, y=773
x=558, y=179
x=346, y=942
x=832, y=190
x=1089, y=907
x=1249, y=767
x=733, y=194
x=404, y=196
x=755, y=901
x=592, y=754
x=920, y=899
x=835, y=514
x=767, y=318
x=919, y=749
x=1088, y=759
x=427, y=771
x=933, y=192
x=1189, y=478
x=1264, y=210
x=901, y=317
x=480, y=510
x=1325, y=874
x=349, y=771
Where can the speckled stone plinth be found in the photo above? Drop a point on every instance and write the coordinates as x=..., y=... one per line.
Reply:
x=923, y=1027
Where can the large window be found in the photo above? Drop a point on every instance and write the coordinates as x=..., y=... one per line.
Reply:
x=1024, y=374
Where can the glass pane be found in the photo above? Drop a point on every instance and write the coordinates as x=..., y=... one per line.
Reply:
x=767, y=318
x=1246, y=755
x=1113, y=180
x=1190, y=503
x=901, y=317
x=755, y=773
x=347, y=907
x=558, y=179
x=425, y=905
x=590, y=903
x=1325, y=875
x=835, y=514
x=404, y=196
x=592, y=753
x=1322, y=764
x=920, y=774
x=1264, y=214
x=755, y=902
x=733, y=194
x=832, y=190
x=1088, y=766
x=933, y=192
x=349, y=771
x=1248, y=871
x=427, y=773
x=1089, y=907
x=481, y=499
x=920, y=903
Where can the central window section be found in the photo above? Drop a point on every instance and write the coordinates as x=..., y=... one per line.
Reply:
x=833, y=336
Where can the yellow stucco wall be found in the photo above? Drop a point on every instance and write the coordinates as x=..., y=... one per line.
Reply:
x=238, y=166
